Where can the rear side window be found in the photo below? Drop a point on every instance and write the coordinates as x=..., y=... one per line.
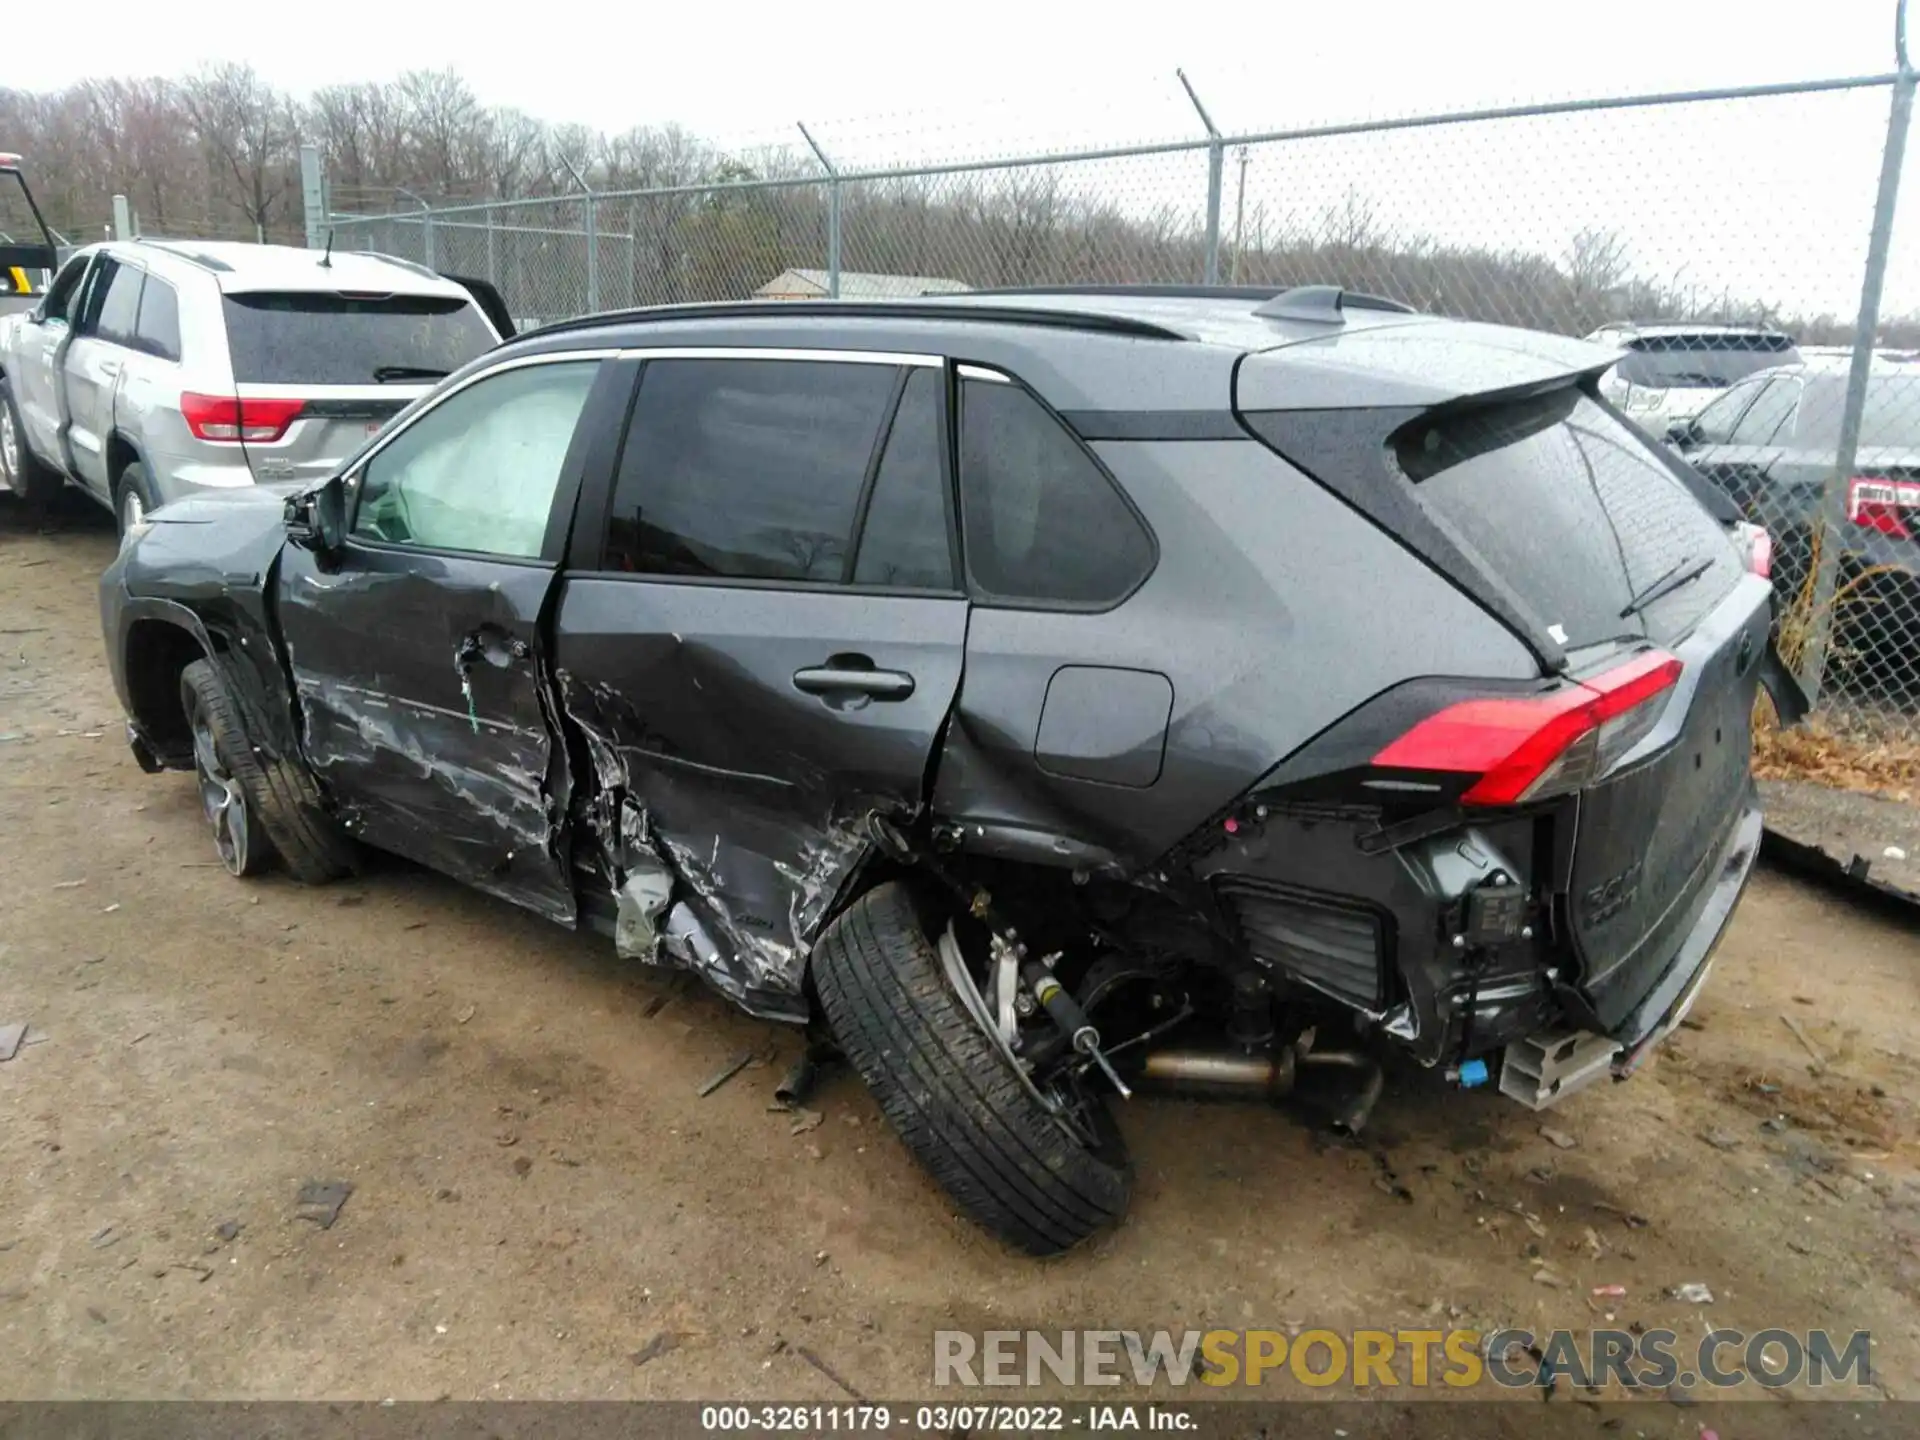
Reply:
x=1572, y=512
x=311, y=338
x=158, y=329
x=1043, y=523
x=119, y=306
x=747, y=469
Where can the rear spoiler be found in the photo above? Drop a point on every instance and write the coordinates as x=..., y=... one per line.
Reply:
x=488, y=297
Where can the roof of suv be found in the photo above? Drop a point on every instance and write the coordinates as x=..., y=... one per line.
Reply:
x=239, y=267
x=1321, y=347
x=1626, y=331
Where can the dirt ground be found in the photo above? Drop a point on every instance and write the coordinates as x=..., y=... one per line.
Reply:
x=542, y=1204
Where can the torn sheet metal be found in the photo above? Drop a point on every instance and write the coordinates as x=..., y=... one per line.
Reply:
x=755, y=868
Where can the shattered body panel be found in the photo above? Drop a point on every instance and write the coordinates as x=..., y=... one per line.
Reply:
x=709, y=761
x=426, y=716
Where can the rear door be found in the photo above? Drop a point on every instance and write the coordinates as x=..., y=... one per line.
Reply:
x=761, y=640
x=90, y=372
x=317, y=372
x=418, y=653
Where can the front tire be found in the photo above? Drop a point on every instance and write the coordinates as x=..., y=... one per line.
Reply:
x=282, y=806
x=20, y=469
x=953, y=1094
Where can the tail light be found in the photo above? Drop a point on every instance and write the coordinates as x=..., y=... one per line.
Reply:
x=1529, y=747
x=229, y=418
x=1883, y=505
x=1756, y=548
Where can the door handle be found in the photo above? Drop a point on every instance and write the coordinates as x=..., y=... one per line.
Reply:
x=109, y=368
x=850, y=675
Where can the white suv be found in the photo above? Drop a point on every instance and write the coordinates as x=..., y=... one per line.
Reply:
x=151, y=369
x=1673, y=372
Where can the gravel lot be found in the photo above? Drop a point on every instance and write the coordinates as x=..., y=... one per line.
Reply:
x=543, y=1206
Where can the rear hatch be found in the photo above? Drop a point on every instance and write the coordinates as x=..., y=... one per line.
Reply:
x=316, y=373
x=1544, y=505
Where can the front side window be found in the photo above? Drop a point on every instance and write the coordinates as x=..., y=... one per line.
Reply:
x=1043, y=524
x=1762, y=420
x=66, y=289
x=1714, y=425
x=478, y=472
x=747, y=469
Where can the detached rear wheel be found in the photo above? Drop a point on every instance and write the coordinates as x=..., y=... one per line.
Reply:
x=1012, y=1163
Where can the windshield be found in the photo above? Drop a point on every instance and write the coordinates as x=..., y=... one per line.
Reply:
x=1701, y=362
x=1890, y=421
x=309, y=338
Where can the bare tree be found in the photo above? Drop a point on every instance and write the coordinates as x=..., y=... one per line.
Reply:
x=247, y=133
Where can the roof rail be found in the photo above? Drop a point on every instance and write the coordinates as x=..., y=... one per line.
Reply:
x=921, y=309
x=1324, y=304
x=183, y=252
x=1151, y=292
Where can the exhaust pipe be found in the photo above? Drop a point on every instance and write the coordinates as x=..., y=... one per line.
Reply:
x=1231, y=1073
x=1219, y=1072
x=1351, y=1117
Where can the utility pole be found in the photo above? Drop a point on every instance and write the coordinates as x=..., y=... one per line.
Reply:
x=1239, y=215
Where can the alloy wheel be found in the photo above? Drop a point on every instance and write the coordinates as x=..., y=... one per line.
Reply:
x=221, y=798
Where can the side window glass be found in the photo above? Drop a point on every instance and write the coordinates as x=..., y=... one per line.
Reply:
x=1715, y=424
x=1762, y=420
x=93, y=290
x=1041, y=520
x=120, y=305
x=66, y=289
x=158, y=330
x=478, y=472
x=746, y=469
x=905, y=541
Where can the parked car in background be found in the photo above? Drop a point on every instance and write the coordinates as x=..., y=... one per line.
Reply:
x=1770, y=444
x=1672, y=372
x=1054, y=693
x=151, y=370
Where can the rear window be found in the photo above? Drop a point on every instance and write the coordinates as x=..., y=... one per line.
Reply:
x=304, y=338
x=1703, y=361
x=1573, y=512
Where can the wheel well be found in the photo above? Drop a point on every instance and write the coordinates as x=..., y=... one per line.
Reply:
x=157, y=651
x=120, y=454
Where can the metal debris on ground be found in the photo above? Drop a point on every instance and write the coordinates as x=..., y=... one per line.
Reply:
x=804, y=1120
x=465, y=1014
x=320, y=1201
x=827, y=1370
x=106, y=1235
x=664, y=1343
x=1692, y=1293
x=799, y=1081
x=733, y=1067
x=1557, y=1137
x=10, y=1039
x=1800, y=1034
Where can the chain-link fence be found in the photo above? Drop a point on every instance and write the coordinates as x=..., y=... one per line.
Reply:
x=1737, y=246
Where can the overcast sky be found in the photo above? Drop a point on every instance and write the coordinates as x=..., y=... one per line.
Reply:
x=883, y=82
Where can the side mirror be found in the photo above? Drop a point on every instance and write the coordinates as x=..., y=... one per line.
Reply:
x=1683, y=433
x=317, y=519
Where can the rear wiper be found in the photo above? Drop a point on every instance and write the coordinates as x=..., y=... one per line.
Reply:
x=384, y=373
x=1679, y=575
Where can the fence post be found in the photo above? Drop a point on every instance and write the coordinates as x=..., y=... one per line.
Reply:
x=122, y=218
x=833, y=213
x=591, y=227
x=313, y=196
x=1216, y=162
x=493, y=261
x=1833, y=500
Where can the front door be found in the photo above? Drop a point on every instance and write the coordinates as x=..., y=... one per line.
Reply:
x=762, y=641
x=90, y=369
x=418, y=652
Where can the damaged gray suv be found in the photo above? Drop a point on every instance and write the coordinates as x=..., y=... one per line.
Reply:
x=1050, y=693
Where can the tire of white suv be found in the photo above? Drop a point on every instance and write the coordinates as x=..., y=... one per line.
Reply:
x=20, y=469
x=951, y=1093
x=132, y=497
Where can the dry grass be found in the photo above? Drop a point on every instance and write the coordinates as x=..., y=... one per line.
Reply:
x=1885, y=764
